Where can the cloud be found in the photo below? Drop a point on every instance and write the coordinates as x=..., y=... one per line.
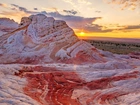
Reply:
x=80, y=23
x=15, y=12
x=132, y=27
x=98, y=11
x=22, y=9
x=16, y=15
x=35, y=8
x=70, y=12
x=52, y=9
x=96, y=28
x=116, y=28
x=122, y=28
x=130, y=4
x=73, y=21
x=76, y=22
x=3, y=5
x=77, y=3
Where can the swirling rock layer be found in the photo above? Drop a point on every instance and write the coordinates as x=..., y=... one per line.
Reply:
x=7, y=25
x=65, y=84
x=41, y=39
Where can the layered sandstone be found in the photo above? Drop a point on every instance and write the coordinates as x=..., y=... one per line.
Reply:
x=7, y=25
x=44, y=63
x=67, y=84
x=41, y=39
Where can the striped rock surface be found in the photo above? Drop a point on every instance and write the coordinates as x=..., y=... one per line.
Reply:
x=42, y=62
x=41, y=39
x=68, y=84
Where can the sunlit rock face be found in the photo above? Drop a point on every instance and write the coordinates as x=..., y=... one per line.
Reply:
x=41, y=39
x=44, y=63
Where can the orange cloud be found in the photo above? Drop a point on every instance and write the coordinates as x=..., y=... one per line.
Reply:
x=130, y=4
x=53, y=9
x=16, y=15
x=3, y=5
x=15, y=12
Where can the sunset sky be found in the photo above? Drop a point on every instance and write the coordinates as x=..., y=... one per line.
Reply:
x=88, y=18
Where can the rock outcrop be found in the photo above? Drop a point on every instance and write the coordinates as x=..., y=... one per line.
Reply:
x=41, y=39
x=67, y=84
x=7, y=25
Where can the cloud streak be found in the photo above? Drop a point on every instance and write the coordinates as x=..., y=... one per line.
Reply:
x=35, y=8
x=133, y=27
x=80, y=23
x=96, y=28
x=77, y=4
x=16, y=12
x=130, y=4
x=73, y=21
x=70, y=12
x=98, y=11
x=3, y=5
x=22, y=9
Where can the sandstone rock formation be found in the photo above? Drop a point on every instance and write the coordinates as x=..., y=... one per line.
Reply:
x=41, y=39
x=7, y=25
x=44, y=63
x=67, y=84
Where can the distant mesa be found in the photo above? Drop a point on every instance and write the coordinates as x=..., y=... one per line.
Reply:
x=42, y=39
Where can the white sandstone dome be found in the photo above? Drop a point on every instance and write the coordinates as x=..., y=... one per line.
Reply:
x=41, y=39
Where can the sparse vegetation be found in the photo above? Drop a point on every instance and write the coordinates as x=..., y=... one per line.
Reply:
x=116, y=47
